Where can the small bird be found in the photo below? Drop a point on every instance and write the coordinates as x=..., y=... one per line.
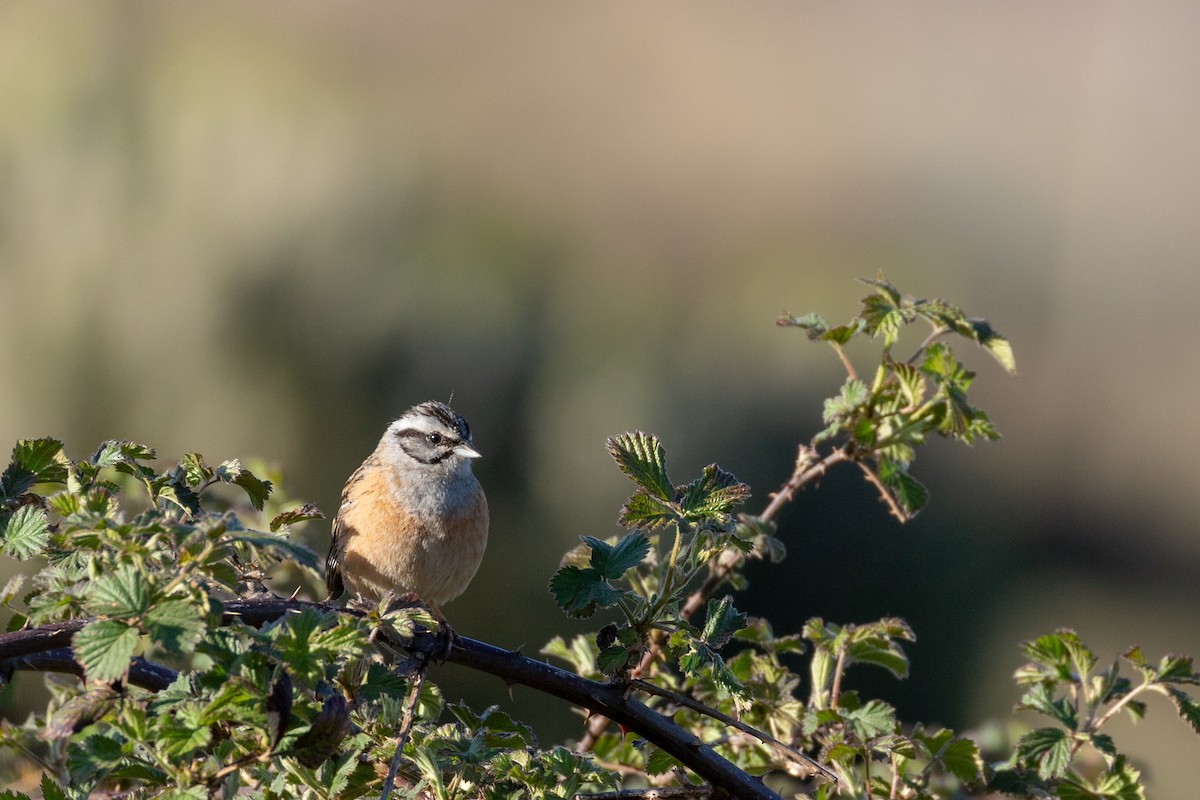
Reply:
x=413, y=517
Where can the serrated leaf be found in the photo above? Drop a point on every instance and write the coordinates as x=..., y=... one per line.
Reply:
x=909, y=493
x=51, y=790
x=842, y=333
x=381, y=682
x=1189, y=709
x=176, y=625
x=721, y=622
x=614, y=660
x=884, y=313
x=713, y=494
x=1048, y=750
x=257, y=490
x=911, y=382
x=123, y=593
x=999, y=347
x=280, y=546
x=33, y=461
x=1057, y=651
x=659, y=761
x=961, y=758
x=611, y=561
x=854, y=394
x=195, y=471
x=885, y=655
x=1119, y=782
x=874, y=718
x=641, y=456
x=1177, y=669
x=25, y=533
x=304, y=513
x=813, y=324
x=580, y=592
x=105, y=648
x=644, y=510
x=580, y=654
x=1040, y=699
x=116, y=452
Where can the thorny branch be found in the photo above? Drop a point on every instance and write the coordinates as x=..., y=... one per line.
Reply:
x=47, y=649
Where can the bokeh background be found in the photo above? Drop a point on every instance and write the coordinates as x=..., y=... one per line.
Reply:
x=265, y=229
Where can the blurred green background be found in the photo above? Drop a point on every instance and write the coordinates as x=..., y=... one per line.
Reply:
x=267, y=229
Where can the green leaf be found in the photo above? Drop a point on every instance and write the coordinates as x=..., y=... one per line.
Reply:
x=580, y=654
x=1189, y=709
x=885, y=312
x=908, y=492
x=814, y=324
x=1048, y=750
x=381, y=682
x=843, y=333
x=257, y=490
x=722, y=621
x=105, y=648
x=34, y=461
x=611, y=561
x=874, y=718
x=195, y=471
x=580, y=592
x=25, y=533
x=304, y=513
x=713, y=494
x=641, y=456
x=1062, y=654
x=176, y=625
x=184, y=732
x=1177, y=669
x=911, y=382
x=614, y=660
x=125, y=453
x=1119, y=782
x=1040, y=699
x=644, y=510
x=280, y=546
x=659, y=761
x=958, y=755
x=853, y=395
x=123, y=593
x=51, y=790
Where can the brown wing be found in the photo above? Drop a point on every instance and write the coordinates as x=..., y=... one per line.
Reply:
x=337, y=542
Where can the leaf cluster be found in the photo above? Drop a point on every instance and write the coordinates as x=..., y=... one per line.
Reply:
x=306, y=706
x=880, y=423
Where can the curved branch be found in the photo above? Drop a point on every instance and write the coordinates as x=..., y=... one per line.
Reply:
x=41, y=648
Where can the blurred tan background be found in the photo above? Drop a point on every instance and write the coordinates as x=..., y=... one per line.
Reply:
x=267, y=229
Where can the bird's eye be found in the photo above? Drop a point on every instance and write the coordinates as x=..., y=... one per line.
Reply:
x=434, y=438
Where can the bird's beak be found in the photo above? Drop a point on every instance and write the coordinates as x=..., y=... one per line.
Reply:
x=466, y=451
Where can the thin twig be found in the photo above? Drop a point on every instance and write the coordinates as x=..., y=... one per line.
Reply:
x=893, y=507
x=410, y=706
x=933, y=336
x=695, y=705
x=835, y=691
x=837, y=348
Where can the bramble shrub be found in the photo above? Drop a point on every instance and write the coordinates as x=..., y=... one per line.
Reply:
x=192, y=679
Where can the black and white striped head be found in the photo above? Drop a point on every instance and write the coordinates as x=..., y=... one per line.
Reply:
x=430, y=434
